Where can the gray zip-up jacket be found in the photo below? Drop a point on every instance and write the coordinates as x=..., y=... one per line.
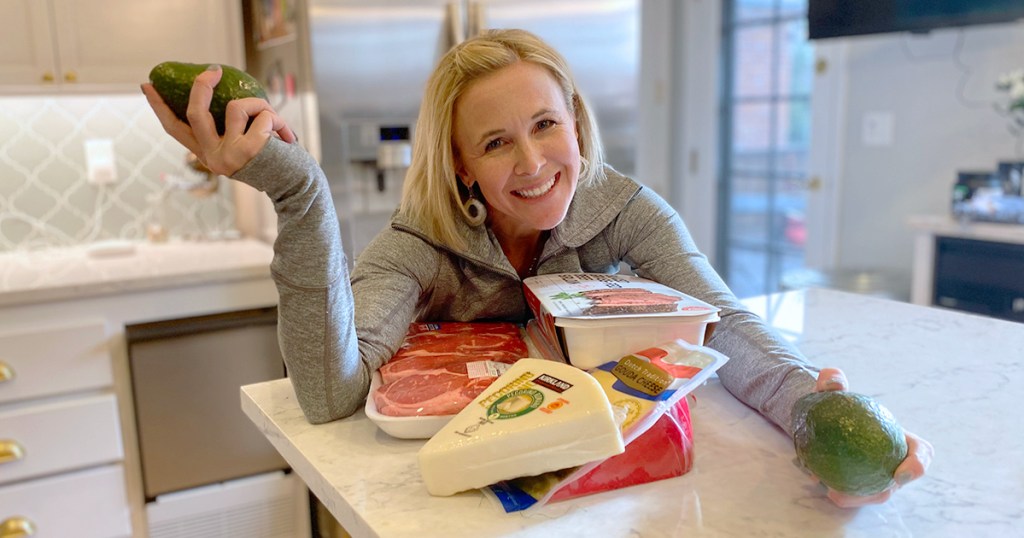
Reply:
x=335, y=331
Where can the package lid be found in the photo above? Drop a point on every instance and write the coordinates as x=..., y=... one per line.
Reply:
x=588, y=296
x=634, y=320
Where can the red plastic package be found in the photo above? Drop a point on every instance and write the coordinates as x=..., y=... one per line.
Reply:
x=663, y=451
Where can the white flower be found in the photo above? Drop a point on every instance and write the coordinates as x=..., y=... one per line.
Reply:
x=1013, y=84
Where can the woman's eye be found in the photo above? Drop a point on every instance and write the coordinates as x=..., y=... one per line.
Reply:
x=544, y=124
x=493, y=144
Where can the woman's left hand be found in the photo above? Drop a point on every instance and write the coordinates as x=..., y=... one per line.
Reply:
x=919, y=452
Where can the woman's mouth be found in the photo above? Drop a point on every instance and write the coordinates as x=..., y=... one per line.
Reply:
x=540, y=190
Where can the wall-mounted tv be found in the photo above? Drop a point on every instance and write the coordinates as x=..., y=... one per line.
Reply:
x=838, y=18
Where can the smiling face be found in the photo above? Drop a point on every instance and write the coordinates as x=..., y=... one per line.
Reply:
x=517, y=139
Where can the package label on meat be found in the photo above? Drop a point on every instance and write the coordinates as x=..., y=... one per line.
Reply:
x=594, y=295
x=477, y=369
x=441, y=367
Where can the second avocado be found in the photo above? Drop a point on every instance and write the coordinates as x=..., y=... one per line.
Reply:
x=849, y=441
x=173, y=81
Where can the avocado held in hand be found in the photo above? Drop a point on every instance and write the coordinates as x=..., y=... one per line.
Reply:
x=173, y=81
x=849, y=441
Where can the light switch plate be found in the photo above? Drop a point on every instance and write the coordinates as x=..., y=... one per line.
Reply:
x=877, y=129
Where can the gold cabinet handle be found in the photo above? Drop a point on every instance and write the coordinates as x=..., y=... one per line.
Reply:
x=48, y=77
x=10, y=450
x=70, y=76
x=17, y=527
x=6, y=372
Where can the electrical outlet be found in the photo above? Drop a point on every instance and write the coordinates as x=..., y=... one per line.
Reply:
x=100, y=165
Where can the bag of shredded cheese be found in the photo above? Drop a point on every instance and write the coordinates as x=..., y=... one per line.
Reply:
x=648, y=388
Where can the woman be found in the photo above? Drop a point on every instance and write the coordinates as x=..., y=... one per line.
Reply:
x=507, y=180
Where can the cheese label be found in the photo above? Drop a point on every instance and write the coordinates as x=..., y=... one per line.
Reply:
x=515, y=404
x=639, y=374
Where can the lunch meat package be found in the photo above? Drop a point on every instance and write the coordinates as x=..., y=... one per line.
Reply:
x=592, y=318
x=441, y=367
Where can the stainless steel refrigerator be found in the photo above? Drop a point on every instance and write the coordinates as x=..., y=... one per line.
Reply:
x=371, y=60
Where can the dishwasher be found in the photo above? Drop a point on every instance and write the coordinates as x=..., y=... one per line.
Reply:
x=207, y=471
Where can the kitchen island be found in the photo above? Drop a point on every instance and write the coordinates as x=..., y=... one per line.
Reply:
x=952, y=378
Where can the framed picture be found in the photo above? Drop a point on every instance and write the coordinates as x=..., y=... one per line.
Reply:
x=273, y=21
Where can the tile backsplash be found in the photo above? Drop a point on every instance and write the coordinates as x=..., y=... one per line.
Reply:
x=46, y=200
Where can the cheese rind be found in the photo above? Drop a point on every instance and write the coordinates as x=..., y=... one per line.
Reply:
x=539, y=416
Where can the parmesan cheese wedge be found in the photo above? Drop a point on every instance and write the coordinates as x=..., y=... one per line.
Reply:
x=539, y=416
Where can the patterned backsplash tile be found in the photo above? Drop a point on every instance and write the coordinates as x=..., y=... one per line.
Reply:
x=46, y=200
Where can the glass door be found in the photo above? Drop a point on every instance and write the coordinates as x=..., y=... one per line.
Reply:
x=765, y=135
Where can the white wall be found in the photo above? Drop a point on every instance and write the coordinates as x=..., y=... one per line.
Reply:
x=938, y=129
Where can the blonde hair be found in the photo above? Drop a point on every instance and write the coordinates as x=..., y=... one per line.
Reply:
x=432, y=195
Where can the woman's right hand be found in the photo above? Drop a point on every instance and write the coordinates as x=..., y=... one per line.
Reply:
x=226, y=154
x=914, y=466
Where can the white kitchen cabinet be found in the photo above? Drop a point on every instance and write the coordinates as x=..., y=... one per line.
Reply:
x=59, y=417
x=53, y=359
x=44, y=432
x=83, y=504
x=68, y=397
x=110, y=45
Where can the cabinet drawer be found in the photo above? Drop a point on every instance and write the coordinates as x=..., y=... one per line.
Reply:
x=51, y=360
x=58, y=436
x=85, y=504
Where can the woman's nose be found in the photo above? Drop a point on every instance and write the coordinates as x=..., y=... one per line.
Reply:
x=529, y=158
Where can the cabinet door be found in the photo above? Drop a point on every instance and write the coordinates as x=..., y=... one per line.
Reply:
x=85, y=504
x=59, y=436
x=26, y=44
x=117, y=42
x=47, y=360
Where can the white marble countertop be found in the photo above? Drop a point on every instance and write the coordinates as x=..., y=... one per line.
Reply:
x=947, y=226
x=73, y=272
x=952, y=378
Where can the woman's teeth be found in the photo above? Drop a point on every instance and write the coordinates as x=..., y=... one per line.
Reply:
x=539, y=191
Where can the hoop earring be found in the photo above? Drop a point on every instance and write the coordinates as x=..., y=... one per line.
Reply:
x=475, y=210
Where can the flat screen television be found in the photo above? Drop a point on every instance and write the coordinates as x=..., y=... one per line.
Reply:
x=839, y=18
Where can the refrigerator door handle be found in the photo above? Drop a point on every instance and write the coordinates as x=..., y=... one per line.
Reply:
x=456, y=26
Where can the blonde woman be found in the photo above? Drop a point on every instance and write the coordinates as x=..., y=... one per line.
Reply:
x=507, y=181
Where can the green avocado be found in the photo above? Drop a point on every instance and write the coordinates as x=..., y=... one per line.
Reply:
x=173, y=81
x=849, y=441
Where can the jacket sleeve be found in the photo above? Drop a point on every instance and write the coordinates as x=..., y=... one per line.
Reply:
x=316, y=328
x=764, y=371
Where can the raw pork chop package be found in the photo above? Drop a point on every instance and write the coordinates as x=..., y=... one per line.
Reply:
x=648, y=389
x=441, y=367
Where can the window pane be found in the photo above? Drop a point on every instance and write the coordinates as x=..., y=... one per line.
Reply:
x=792, y=136
x=749, y=218
x=751, y=136
x=796, y=60
x=746, y=10
x=747, y=270
x=752, y=62
x=791, y=8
